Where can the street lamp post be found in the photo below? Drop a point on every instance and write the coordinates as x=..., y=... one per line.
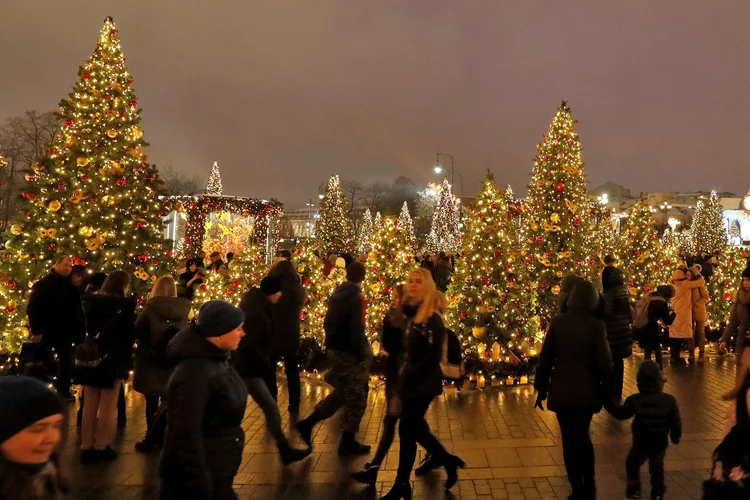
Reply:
x=310, y=205
x=438, y=169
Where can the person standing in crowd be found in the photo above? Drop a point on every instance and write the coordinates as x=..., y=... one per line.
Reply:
x=682, y=304
x=110, y=320
x=428, y=262
x=200, y=259
x=618, y=316
x=189, y=279
x=575, y=370
x=55, y=319
x=162, y=317
x=94, y=284
x=441, y=273
x=252, y=362
x=206, y=400
x=32, y=430
x=329, y=263
x=421, y=381
x=78, y=278
x=657, y=418
x=699, y=299
x=286, y=331
x=739, y=319
x=350, y=358
x=609, y=266
x=659, y=314
x=217, y=265
x=230, y=257
x=392, y=342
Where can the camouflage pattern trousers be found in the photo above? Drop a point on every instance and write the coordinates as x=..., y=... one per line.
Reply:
x=350, y=378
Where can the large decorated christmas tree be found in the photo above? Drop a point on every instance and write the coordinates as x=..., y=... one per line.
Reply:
x=388, y=265
x=445, y=231
x=708, y=229
x=645, y=262
x=558, y=226
x=334, y=229
x=491, y=297
x=95, y=196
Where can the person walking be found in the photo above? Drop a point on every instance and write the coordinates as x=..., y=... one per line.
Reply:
x=206, y=400
x=682, y=305
x=286, y=331
x=32, y=428
x=110, y=321
x=55, y=319
x=575, y=371
x=392, y=342
x=659, y=314
x=657, y=418
x=420, y=382
x=163, y=315
x=699, y=299
x=739, y=318
x=350, y=358
x=618, y=316
x=252, y=363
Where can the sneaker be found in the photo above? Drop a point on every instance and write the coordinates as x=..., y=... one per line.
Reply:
x=107, y=454
x=351, y=447
x=633, y=493
x=428, y=464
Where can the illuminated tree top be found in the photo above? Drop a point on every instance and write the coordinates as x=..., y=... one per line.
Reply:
x=214, y=186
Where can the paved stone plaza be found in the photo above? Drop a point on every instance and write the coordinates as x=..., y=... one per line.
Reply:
x=512, y=451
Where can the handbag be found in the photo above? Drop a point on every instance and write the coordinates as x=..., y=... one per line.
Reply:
x=87, y=352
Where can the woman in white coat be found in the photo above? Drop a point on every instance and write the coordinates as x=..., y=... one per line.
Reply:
x=682, y=328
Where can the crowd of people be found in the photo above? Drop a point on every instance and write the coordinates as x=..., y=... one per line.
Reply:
x=196, y=373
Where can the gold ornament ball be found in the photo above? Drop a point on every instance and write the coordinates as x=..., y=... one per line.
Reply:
x=554, y=217
x=479, y=332
x=137, y=133
x=301, y=268
x=555, y=289
x=82, y=161
x=559, y=274
x=25, y=331
x=16, y=229
x=54, y=206
x=8, y=245
x=112, y=133
x=86, y=231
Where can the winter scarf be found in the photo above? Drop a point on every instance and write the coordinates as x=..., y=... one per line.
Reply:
x=19, y=482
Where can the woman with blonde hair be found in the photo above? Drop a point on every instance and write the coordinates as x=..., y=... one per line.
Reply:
x=163, y=316
x=421, y=381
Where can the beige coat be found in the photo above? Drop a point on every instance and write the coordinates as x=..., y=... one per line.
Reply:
x=682, y=305
x=700, y=299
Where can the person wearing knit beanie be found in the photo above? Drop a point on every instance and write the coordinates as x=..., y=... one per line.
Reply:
x=221, y=324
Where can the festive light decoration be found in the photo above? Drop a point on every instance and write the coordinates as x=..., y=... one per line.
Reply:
x=388, y=265
x=365, y=234
x=309, y=263
x=645, y=262
x=708, y=229
x=214, y=186
x=723, y=286
x=491, y=296
x=334, y=229
x=558, y=186
x=123, y=209
x=405, y=221
x=246, y=271
x=445, y=231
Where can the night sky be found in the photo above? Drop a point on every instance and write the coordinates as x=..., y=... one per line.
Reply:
x=283, y=93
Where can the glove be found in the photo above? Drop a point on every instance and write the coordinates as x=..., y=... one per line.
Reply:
x=539, y=399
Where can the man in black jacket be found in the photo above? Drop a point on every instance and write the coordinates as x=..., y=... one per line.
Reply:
x=55, y=318
x=252, y=363
x=350, y=359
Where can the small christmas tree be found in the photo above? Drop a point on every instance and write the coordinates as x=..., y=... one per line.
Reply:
x=309, y=264
x=723, y=286
x=405, y=222
x=708, y=228
x=364, y=239
x=334, y=229
x=388, y=265
x=559, y=223
x=214, y=186
x=245, y=272
x=491, y=295
x=445, y=232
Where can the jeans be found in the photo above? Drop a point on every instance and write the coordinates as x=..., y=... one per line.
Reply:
x=291, y=368
x=99, y=416
x=65, y=355
x=258, y=390
x=619, y=366
x=636, y=458
x=413, y=429
x=350, y=378
x=578, y=451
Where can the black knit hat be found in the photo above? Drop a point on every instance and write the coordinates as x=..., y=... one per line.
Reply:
x=746, y=273
x=24, y=401
x=217, y=318
x=270, y=285
x=355, y=272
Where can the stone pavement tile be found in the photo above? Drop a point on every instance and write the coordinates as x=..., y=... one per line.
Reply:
x=538, y=456
x=507, y=457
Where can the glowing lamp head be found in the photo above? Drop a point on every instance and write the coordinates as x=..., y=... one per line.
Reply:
x=437, y=168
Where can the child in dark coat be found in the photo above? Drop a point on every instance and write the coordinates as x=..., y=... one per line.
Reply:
x=657, y=418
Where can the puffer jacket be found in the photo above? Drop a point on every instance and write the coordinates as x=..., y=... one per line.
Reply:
x=657, y=415
x=286, y=312
x=575, y=366
x=618, y=315
x=682, y=305
x=421, y=375
x=699, y=300
x=206, y=401
x=158, y=315
x=344, y=323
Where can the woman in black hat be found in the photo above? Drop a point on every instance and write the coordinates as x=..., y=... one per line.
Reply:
x=32, y=425
x=206, y=401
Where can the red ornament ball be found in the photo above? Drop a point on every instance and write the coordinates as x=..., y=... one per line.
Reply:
x=727, y=296
x=494, y=206
x=142, y=257
x=52, y=247
x=559, y=186
x=498, y=253
x=140, y=225
x=141, y=301
x=463, y=314
x=84, y=178
x=121, y=181
x=235, y=283
x=86, y=76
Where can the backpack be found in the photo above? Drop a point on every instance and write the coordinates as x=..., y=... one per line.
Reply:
x=159, y=350
x=641, y=310
x=451, y=363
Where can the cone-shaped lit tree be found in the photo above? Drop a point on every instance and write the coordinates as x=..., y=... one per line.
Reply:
x=407, y=224
x=445, y=232
x=559, y=223
x=364, y=240
x=491, y=297
x=723, y=286
x=245, y=272
x=708, y=228
x=309, y=264
x=334, y=229
x=214, y=185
